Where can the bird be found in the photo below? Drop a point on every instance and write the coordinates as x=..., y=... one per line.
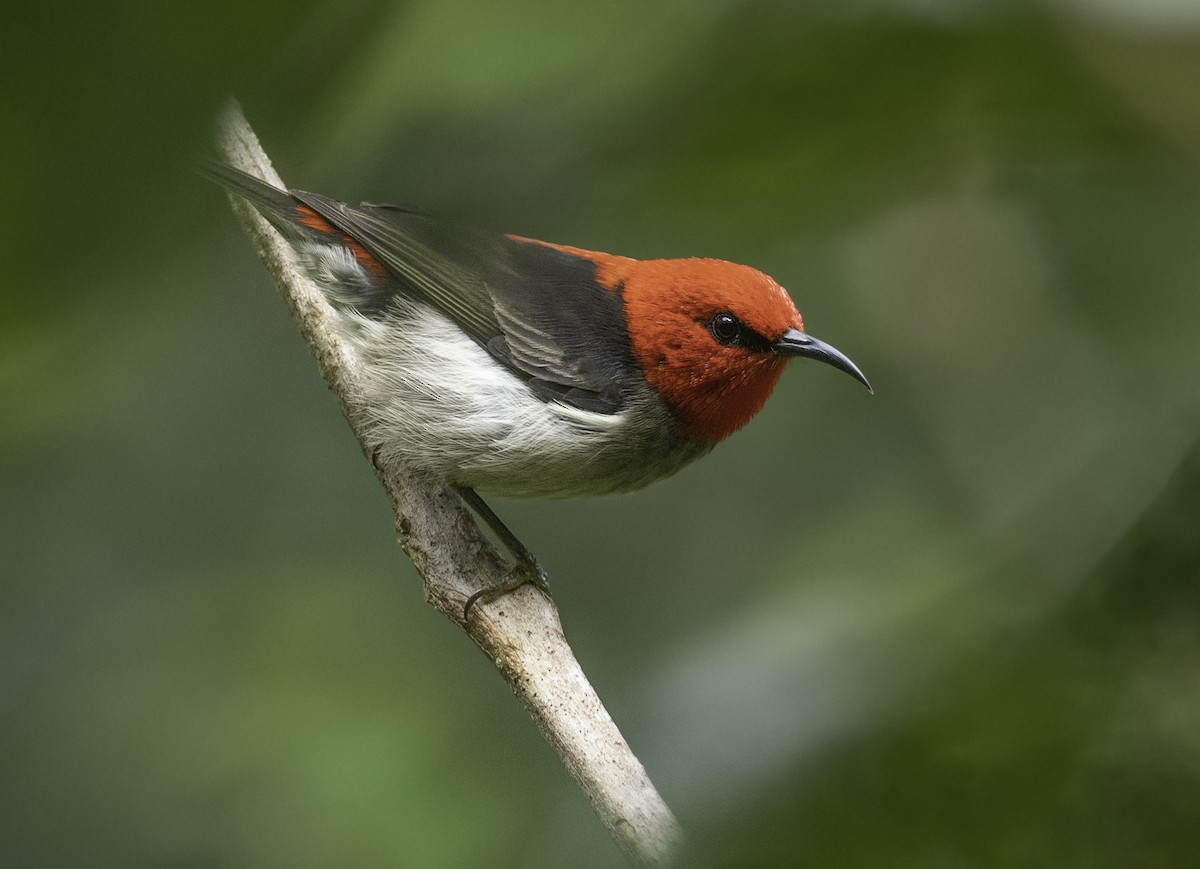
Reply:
x=522, y=368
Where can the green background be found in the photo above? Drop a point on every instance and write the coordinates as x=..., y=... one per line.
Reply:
x=954, y=624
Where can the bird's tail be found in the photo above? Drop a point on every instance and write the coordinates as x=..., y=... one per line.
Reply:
x=341, y=267
x=274, y=203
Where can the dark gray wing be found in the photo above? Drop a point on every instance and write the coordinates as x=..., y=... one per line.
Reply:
x=535, y=308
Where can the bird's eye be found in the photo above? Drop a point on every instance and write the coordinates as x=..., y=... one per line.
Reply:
x=725, y=328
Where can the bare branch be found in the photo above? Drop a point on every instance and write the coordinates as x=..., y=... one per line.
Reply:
x=520, y=632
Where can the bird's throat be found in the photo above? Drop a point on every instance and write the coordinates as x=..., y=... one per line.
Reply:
x=715, y=396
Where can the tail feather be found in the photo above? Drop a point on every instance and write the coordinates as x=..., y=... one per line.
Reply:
x=339, y=265
x=274, y=203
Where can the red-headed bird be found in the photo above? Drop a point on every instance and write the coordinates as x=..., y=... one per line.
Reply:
x=529, y=369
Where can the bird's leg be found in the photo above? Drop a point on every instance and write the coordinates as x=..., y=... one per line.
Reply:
x=525, y=569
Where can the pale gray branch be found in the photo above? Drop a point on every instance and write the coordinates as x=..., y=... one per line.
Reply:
x=520, y=632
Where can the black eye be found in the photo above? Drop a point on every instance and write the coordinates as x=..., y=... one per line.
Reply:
x=725, y=328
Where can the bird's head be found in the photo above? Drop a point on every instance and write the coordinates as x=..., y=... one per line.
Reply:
x=712, y=337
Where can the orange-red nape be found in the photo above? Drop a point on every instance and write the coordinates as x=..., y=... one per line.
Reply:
x=307, y=217
x=713, y=388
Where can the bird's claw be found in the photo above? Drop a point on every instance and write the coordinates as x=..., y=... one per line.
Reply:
x=524, y=572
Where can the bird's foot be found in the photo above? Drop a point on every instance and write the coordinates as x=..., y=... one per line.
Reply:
x=526, y=571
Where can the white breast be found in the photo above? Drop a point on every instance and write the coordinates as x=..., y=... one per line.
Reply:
x=437, y=399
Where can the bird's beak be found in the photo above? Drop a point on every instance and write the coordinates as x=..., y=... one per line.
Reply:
x=796, y=343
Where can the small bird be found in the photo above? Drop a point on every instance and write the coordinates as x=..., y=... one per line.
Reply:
x=529, y=369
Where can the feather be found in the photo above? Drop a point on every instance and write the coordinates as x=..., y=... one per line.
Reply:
x=536, y=309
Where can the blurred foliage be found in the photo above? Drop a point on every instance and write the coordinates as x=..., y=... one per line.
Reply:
x=951, y=625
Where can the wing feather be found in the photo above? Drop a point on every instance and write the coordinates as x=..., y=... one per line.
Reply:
x=536, y=309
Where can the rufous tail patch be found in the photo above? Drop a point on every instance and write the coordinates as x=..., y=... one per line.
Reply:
x=309, y=218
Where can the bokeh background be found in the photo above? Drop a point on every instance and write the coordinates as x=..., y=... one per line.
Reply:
x=951, y=625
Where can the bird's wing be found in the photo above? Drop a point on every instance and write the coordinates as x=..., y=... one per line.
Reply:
x=536, y=309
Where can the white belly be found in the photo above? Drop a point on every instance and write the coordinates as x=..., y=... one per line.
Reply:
x=438, y=400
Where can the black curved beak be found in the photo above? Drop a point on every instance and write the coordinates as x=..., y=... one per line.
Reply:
x=796, y=343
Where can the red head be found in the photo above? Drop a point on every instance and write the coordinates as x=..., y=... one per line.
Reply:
x=703, y=331
x=712, y=336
